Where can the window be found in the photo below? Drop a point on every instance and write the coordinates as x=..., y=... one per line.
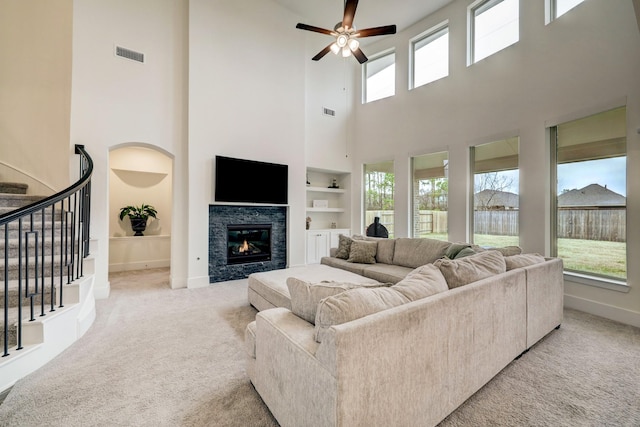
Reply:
x=493, y=25
x=590, y=157
x=430, y=185
x=557, y=8
x=378, y=194
x=430, y=56
x=496, y=199
x=380, y=77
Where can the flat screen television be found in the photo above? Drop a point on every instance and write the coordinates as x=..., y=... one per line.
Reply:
x=250, y=181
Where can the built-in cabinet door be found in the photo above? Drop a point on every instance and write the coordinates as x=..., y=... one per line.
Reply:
x=317, y=246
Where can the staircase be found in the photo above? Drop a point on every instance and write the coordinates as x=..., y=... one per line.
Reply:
x=46, y=273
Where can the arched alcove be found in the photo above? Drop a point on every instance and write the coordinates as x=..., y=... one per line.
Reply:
x=139, y=174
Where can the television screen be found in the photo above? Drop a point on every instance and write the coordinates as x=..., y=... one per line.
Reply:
x=239, y=180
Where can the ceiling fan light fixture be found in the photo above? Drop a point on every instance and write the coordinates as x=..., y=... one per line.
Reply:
x=342, y=40
x=353, y=44
x=346, y=52
x=335, y=49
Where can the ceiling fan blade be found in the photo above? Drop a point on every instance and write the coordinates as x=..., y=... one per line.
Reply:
x=314, y=29
x=377, y=31
x=349, y=12
x=360, y=56
x=322, y=53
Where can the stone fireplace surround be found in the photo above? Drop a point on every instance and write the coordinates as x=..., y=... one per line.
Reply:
x=222, y=215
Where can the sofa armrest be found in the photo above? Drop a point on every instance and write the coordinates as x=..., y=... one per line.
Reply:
x=287, y=375
x=545, y=294
x=446, y=347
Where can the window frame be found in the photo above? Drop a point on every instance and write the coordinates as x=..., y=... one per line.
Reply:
x=363, y=193
x=483, y=6
x=471, y=227
x=428, y=36
x=445, y=168
x=577, y=276
x=551, y=10
x=364, y=77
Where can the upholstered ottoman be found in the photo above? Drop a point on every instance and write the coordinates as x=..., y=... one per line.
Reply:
x=269, y=289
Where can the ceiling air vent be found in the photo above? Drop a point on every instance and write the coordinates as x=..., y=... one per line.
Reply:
x=328, y=112
x=129, y=54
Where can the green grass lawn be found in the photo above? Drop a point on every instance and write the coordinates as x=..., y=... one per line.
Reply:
x=586, y=256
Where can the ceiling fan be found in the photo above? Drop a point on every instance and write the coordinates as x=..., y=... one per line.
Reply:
x=346, y=35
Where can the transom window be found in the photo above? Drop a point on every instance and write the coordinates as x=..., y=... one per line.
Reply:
x=493, y=25
x=379, y=76
x=430, y=56
x=557, y=8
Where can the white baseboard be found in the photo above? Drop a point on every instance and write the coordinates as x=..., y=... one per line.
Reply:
x=198, y=282
x=139, y=265
x=618, y=314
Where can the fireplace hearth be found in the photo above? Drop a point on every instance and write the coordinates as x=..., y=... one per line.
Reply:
x=248, y=243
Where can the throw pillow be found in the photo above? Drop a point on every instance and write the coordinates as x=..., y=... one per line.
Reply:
x=385, y=250
x=305, y=296
x=460, y=272
x=465, y=252
x=354, y=304
x=344, y=246
x=363, y=252
x=522, y=260
x=414, y=252
x=455, y=248
x=422, y=282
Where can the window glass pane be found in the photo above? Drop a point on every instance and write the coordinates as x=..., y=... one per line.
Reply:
x=496, y=202
x=591, y=194
x=563, y=6
x=380, y=77
x=431, y=58
x=495, y=26
x=378, y=194
x=430, y=187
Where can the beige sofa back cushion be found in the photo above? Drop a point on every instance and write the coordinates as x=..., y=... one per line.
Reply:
x=522, y=260
x=305, y=296
x=353, y=304
x=462, y=271
x=413, y=253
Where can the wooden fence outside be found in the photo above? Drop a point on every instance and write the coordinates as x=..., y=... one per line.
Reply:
x=587, y=224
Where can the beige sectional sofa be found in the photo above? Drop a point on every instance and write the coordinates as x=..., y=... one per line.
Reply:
x=402, y=342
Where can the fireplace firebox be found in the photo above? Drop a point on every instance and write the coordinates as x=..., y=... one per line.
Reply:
x=248, y=243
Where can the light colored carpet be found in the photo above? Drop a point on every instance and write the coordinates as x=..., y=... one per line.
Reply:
x=162, y=357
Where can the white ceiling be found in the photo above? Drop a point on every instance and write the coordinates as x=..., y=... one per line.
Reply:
x=370, y=13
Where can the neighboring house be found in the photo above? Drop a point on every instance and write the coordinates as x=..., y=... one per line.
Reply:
x=593, y=195
x=496, y=200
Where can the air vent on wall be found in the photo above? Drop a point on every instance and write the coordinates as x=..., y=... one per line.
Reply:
x=129, y=54
x=328, y=112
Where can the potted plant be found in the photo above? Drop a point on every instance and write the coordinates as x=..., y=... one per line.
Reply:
x=138, y=216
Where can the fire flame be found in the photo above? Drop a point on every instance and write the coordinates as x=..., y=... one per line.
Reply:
x=244, y=247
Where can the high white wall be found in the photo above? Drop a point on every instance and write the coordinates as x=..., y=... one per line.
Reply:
x=246, y=100
x=35, y=94
x=118, y=102
x=585, y=62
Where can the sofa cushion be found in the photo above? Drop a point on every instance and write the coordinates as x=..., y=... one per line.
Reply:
x=522, y=260
x=250, y=339
x=385, y=251
x=305, y=296
x=505, y=250
x=459, y=272
x=413, y=252
x=344, y=246
x=343, y=264
x=388, y=273
x=422, y=282
x=354, y=304
x=363, y=252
